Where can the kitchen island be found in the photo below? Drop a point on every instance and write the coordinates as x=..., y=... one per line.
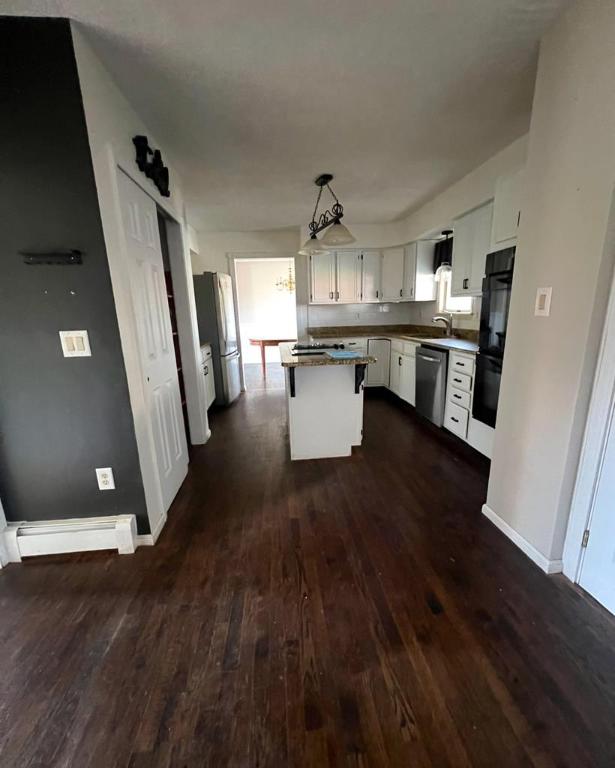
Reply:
x=324, y=403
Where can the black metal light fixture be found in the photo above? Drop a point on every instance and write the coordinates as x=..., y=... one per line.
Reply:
x=330, y=220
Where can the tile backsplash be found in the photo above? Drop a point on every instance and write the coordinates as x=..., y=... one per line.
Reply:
x=418, y=313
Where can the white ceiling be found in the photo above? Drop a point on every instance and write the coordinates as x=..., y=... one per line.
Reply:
x=397, y=98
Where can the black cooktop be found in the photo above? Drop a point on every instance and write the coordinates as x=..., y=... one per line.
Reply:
x=313, y=349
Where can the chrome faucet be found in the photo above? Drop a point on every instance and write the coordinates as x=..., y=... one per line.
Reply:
x=448, y=323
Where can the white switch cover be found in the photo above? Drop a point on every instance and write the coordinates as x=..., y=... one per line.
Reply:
x=543, y=302
x=75, y=344
x=104, y=475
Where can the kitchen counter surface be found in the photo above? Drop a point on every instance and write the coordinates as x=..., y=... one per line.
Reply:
x=289, y=360
x=456, y=343
x=460, y=345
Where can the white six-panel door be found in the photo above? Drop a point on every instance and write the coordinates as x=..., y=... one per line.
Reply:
x=149, y=295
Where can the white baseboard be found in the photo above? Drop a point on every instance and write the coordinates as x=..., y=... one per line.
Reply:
x=149, y=539
x=51, y=537
x=548, y=566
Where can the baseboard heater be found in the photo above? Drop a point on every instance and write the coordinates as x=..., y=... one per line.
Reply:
x=52, y=537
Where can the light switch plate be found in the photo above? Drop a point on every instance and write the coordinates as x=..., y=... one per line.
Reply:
x=106, y=481
x=75, y=344
x=543, y=302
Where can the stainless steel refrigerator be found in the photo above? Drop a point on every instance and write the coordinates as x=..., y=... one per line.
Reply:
x=215, y=310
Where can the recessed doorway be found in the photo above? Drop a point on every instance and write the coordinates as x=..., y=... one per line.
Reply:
x=266, y=306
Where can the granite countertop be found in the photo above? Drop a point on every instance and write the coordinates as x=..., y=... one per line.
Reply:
x=466, y=341
x=289, y=360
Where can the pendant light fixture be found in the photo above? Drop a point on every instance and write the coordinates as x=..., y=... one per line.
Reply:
x=337, y=233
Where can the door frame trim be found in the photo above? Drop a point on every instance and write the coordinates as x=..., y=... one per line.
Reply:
x=232, y=259
x=600, y=420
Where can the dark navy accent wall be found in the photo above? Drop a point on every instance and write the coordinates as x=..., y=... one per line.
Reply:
x=60, y=418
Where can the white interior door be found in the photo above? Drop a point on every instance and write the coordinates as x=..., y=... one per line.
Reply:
x=157, y=352
x=598, y=567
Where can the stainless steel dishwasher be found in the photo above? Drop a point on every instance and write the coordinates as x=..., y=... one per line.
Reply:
x=431, y=365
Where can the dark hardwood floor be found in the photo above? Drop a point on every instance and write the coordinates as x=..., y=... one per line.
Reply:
x=347, y=612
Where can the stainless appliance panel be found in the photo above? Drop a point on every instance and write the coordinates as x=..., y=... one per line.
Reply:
x=431, y=365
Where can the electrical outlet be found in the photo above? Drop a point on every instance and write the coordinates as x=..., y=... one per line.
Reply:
x=104, y=475
x=75, y=344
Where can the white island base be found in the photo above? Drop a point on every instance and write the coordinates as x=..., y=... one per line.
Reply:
x=324, y=405
x=325, y=418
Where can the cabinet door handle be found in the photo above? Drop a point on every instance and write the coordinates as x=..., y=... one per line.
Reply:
x=465, y=283
x=337, y=295
x=399, y=361
x=330, y=294
x=454, y=419
x=401, y=291
x=206, y=370
x=458, y=397
x=458, y=381
x=377, y=294
x=460, y=365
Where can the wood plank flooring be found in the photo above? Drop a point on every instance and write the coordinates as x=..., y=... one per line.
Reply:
x=347, y=612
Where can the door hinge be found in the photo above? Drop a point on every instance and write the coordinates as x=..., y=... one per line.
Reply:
x=585, y=538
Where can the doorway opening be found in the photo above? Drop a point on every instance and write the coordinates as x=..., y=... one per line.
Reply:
x=168, y=280
x=267, y=312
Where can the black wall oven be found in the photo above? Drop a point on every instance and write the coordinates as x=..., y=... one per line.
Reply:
x=497, y=286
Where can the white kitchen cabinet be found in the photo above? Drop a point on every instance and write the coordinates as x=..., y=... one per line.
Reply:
x=370, y=276
x=471, y=244
x=419, y=279
x=348, y=273
x=208, y=375
x=409, y=271
x=393, y=274
x=407, y=379
x=322, y=278
x=378, y=372
x=507, y=210
x=395, y=371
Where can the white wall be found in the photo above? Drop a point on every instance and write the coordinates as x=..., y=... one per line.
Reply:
x=264, y=311
x=111, y=124
x=215, y=247
x=549, y=363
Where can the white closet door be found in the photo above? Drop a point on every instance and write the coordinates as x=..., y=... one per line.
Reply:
x=149, y=296
x=598, y=568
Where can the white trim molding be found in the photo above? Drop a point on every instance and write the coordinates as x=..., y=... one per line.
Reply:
x=600, y=419
x=149, y=539
x=51, y=537
x=548, y=566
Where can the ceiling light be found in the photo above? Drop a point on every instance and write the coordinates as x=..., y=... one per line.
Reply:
x=312, y=247
x=338, y=234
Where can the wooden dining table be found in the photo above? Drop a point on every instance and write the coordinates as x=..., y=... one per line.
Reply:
x=263, y=343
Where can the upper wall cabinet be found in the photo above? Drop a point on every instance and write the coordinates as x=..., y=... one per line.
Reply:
x=322, y=279
x=345, y=277
x=370, y=276
x=419, y=282
x=471, y=244
x=407, y=273
x=348, y=273
x=507, y=210
x=393, y=274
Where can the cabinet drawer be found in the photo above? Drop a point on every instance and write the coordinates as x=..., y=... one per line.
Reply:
x=456, y=420
x=460, y=381
x=459, y=397
x=462, y=363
